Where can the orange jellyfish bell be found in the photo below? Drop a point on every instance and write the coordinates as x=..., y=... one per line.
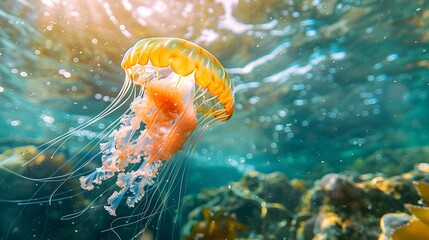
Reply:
x=185, y=59
x=179, y=88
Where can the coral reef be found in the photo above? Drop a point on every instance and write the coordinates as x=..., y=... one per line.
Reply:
x=349, y=207
x=264, y=203
x=338, y=206
x=215, y=226
x=401, y=226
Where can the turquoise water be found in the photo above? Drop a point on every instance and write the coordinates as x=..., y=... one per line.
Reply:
x=320, y=87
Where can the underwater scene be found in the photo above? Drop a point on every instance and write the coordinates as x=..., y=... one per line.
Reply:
x=214, y=119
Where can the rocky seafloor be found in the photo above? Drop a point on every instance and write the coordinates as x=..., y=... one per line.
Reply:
x=358, y=204
x=348, y=205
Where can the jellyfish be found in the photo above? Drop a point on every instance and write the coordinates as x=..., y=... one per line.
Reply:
x=179, y=90
x=176, y=91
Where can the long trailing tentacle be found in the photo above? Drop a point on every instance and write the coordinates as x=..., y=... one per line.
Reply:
x=112, y=107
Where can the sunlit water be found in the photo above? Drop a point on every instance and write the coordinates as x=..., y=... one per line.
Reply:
x=318, y=84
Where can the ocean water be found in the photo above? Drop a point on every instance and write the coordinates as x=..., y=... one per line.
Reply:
x=320, y=87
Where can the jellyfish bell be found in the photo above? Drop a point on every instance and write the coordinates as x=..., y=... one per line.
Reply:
x=177, y=91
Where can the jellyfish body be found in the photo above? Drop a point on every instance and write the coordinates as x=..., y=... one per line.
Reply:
x=180, y=89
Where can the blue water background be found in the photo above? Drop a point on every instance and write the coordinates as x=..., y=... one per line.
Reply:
x=318, y=84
